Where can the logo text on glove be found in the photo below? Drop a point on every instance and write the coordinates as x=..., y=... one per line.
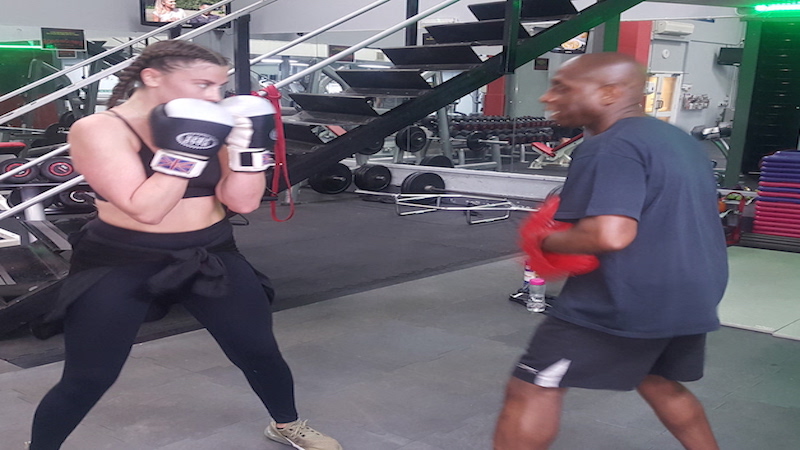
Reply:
x=198, y=141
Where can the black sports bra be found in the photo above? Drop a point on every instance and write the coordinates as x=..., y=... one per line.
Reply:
x=202, y=186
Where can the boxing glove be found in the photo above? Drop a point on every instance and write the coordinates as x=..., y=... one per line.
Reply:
x=187, y=132
x=251, y=143
x=548, y=265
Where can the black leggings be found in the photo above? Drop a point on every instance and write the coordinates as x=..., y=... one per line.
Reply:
x=101, y=326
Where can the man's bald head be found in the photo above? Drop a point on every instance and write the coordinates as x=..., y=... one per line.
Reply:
x=610, y=69
x=595, y=90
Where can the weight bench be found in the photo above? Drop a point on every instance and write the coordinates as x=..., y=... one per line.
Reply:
x=559, y=155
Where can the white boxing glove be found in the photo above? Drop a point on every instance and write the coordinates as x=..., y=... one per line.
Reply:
x=251, y=143
x=187, y=132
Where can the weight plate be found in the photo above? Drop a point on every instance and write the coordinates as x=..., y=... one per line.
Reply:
x=333, y=179
x=411, y=139
x=58, y=169
x=21, y=177
x=474, y=140
x=67, y=119
x=436, y=161
x=372, y=149
x=76, y=199
x=418, y=183
x=372, y=177
x=54, y=134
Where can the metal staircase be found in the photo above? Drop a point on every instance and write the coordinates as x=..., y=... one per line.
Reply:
x=371, y=125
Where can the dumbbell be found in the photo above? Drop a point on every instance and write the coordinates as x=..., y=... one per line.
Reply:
x=23, y=176
x=371, y=177
x=57, y=169
x=332, y=179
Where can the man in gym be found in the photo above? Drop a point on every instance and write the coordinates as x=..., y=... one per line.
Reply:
x=207, y=16
x=640, y=196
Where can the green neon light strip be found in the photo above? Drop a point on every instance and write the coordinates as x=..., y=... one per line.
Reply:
x=29, y=47
x=778, y=7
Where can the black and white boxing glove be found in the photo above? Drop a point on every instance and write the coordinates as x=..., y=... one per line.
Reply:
x=187, y=132
x=251, y=143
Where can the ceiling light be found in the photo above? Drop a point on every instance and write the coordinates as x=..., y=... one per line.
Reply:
x=793, y=6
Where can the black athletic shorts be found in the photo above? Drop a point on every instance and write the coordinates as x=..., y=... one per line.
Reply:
x=562, y=354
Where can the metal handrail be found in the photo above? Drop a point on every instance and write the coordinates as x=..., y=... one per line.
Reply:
x=411, y=20
x=102, y=55
x=117, y=67
x=318, y=31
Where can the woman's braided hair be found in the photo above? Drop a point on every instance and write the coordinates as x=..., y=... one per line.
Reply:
x=164, y=56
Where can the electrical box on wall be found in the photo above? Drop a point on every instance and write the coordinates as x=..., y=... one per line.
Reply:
x=672, y=28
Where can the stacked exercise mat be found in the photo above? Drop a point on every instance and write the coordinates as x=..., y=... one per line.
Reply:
x=778, y=203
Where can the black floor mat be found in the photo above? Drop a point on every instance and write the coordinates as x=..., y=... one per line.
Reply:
x=328, y=249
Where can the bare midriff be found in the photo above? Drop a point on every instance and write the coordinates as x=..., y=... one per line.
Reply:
x=190, y=214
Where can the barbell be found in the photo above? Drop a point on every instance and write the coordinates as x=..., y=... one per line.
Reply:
x=413, y=139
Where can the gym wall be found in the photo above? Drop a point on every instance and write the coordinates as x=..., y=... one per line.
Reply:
x=121, y=17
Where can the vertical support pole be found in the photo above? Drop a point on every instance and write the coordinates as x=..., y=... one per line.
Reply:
x=90, y=105
x=511, y=90
x=511, y=35
x=241, y=55
x=412, y=9
x=744, y=96
x=35, y=212
x=611, y=34
x=444, y=132
x=444, y=123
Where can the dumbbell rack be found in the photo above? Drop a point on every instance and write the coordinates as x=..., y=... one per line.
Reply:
x=32, y=265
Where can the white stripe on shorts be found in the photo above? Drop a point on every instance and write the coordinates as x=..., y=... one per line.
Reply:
x=550, y=377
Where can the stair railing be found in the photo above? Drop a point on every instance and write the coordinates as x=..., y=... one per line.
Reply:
x=317, y=32
x=349, y=51
x=116, y=68
x=102, y=55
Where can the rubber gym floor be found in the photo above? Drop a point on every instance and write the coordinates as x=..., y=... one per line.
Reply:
x=400, y=336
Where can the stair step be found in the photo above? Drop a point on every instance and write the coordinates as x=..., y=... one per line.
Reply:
x=397, y=82
x=336, y=109
x=48, y=234
x=532, y=10
x=25, y=267
x=434, y=57
x=310, y=133
x=484, y=32
x=356, y=105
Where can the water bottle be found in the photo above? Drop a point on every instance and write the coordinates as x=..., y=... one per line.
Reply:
x=536, y=300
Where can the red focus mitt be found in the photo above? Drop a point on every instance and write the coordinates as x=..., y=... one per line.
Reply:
x=548, y=265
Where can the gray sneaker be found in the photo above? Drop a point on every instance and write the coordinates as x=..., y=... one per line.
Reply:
x=301, y=436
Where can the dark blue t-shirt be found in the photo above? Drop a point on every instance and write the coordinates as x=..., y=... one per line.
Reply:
x=670, y=279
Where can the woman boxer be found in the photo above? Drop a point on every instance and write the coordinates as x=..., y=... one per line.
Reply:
x=167, y=11
x=163, y=188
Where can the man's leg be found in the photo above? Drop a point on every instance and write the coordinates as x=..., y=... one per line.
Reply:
x=680, y=411
x=530, y=417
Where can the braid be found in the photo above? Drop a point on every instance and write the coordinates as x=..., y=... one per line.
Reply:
x=164, y=56
x=127, y=83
